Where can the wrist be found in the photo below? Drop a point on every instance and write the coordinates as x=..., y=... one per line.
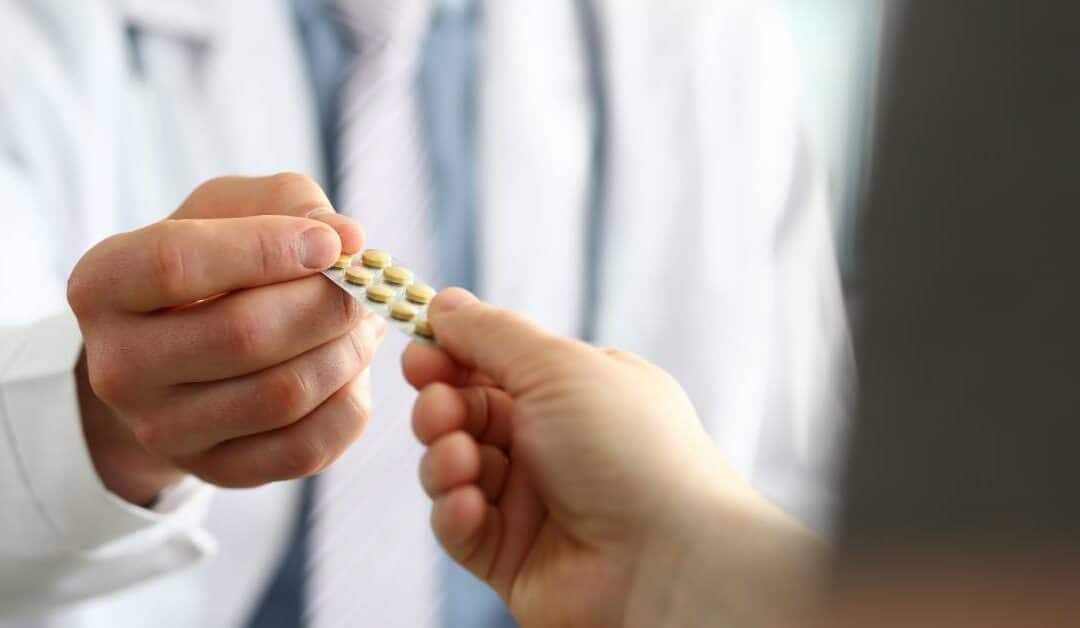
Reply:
x=123, y=465
x=726, y=556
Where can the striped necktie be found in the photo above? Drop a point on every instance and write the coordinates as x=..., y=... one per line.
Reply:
x=373, y=561
x=383, y=173
x=338, y=587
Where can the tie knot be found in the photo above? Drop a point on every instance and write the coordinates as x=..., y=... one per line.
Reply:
x=381, y=24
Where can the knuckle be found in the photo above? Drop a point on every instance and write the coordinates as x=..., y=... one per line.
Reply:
x=84, y=284
x=245, y=333
x=109, y=378
x=302, y=456
x=274, y=252
x=296, y=190
x=80, y=287
x=221, y=474
x=285, y=182
x=351, y=313
x=168, y=264
x=424, y=473
x=622, y=355
x=79, y=294
x=148, y=432
x=209, y=188
x=359, y=408
x=359, y=352
x=614, y=352
x=287, y=390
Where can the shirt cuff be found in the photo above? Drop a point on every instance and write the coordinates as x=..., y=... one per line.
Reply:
x=60, y=490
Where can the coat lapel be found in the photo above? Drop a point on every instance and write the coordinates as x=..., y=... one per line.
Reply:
x=535, y=142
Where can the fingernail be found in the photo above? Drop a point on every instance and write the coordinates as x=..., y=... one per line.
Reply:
x=451, y=299
x=319, y=248
x=321, y=211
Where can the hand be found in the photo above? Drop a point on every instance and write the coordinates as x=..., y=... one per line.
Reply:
x=579, y=484
x=213, y=347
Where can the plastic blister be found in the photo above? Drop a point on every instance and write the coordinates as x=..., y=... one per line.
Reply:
x=383, y=309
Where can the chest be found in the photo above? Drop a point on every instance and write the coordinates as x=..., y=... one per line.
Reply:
x=199, y=89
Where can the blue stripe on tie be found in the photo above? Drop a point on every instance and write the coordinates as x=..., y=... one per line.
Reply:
x=328, y=51
x=448, y=96
x=448, y=91
x=282, y=605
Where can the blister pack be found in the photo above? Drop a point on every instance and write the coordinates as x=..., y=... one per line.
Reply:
x=377, y=280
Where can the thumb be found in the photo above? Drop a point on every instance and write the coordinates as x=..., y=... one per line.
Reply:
x=283, y=194
x=497, y=342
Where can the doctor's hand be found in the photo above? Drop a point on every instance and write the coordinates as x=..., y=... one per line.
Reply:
x=579, y=484
x=212, y=345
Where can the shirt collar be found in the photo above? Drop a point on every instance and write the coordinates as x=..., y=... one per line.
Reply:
x=192, y=20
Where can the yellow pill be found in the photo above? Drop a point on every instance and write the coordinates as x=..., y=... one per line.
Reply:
x=343, y=261
x=358, y=276
x=397, y=275
x=423, y=328
x=420, y=293
x=374, y=258
x=380, y=293
x=403, y=311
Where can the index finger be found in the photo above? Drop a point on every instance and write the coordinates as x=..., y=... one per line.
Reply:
x=509, y=350
x=282, y=194
x=178, y=262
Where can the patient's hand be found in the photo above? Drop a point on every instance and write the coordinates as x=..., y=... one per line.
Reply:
x=577, y=482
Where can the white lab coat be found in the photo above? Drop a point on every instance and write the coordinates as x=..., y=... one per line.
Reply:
x=716, y=263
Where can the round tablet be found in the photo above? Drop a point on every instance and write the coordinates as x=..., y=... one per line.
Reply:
x=358, y=276
x=397, y=275
x=343, y=261
x=420, y=293
x=374, y=258
x=403, y=311
x=380, y=293
x=423, y=328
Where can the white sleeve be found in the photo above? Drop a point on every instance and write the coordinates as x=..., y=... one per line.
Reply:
x=64, y=536
x=802, y=435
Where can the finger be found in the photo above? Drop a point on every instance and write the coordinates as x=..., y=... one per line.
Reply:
x=424, y=364
x=201, y=416
x=351, y=233
x=452, y=461
x=494, y=469
x=456, y=459
x=177, y=262
x=482, y=412
x=510, y=349
x=523, y=516
x=468, y=528
x=243, y=332
x=285, y=194
x=302, y=449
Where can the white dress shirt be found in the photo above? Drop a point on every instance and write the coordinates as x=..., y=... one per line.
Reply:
x=95, y=142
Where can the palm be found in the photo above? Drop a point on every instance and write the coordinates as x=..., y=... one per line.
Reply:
x=544, y=571
x=537, y=490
